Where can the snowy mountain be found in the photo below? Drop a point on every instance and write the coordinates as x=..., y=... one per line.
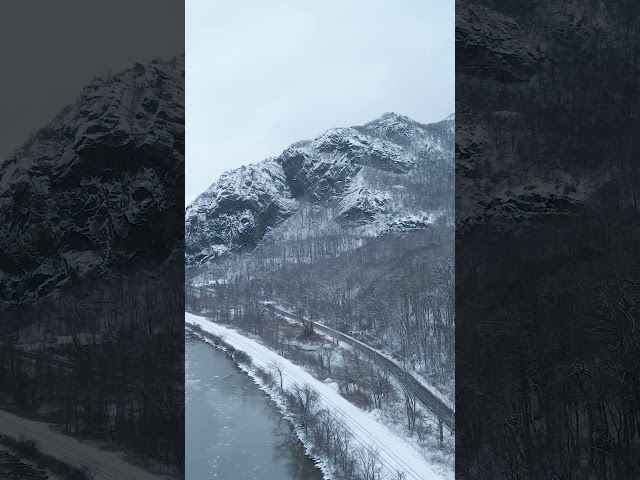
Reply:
x=98, y=186
x=368, y=179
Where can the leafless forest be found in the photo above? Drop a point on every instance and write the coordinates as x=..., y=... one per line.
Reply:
x=99, y=360
x=548, y=347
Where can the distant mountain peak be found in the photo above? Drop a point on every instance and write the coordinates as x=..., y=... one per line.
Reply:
x=394, y=115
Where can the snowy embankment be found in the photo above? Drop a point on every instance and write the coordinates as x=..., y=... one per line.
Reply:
x=393, y=453
x=384, y=353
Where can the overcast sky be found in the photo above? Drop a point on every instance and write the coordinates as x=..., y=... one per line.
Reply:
x=50, y=49
x=262, y=75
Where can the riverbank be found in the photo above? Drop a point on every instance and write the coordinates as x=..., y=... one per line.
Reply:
x=233, y=428
x=23, y=460
x=258, y=376
x=341, y=438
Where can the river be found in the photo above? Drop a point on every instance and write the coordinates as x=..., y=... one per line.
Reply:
x=233, y=429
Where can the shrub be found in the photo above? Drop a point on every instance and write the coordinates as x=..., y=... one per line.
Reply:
x=242, y=357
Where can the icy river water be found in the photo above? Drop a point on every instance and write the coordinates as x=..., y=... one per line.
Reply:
x=233, y=429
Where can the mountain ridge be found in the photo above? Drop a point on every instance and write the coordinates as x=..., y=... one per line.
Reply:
x=88, y=190
x=335, y=168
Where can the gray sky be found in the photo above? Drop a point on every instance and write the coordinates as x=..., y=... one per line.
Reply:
x=264, y=74
x=50, y=49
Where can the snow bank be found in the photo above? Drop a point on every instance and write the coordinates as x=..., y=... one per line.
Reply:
x=394, y=451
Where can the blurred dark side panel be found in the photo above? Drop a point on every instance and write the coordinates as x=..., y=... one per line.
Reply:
x=92, y=236
x=547, y=252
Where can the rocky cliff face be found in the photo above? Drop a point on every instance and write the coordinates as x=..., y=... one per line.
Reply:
x=495, y=44
x=100, y=186
x=510, y=167
x=357, y=171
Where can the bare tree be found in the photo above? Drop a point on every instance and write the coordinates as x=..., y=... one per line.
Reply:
x=277, y=370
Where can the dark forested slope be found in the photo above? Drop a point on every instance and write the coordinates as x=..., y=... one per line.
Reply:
x=91, y=279
x=547, y=187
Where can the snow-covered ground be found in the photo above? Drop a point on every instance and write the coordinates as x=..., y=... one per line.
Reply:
x=434, y=390
x=395, y=453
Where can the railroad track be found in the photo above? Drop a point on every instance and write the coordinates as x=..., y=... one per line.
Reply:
x=434, y=404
